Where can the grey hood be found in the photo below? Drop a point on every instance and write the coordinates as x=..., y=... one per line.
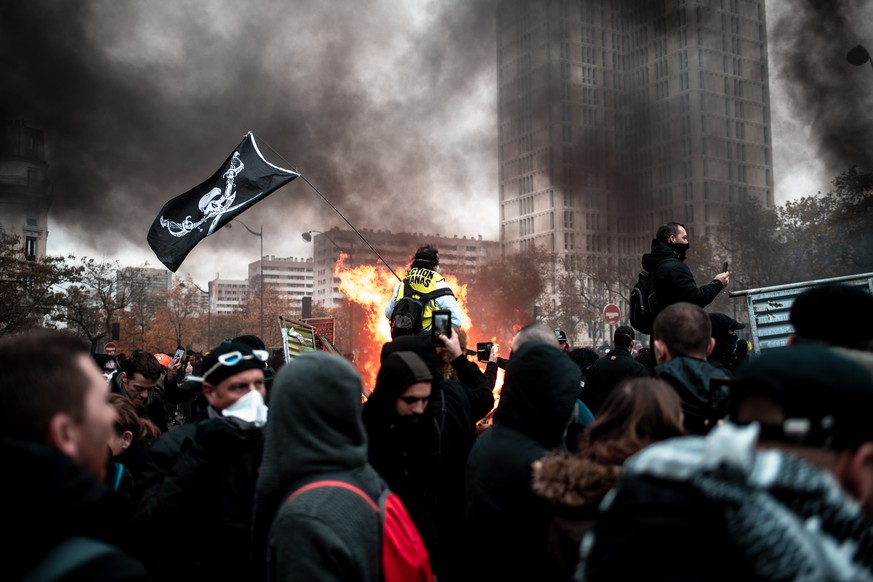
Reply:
x=314, y=428
x=315, y=421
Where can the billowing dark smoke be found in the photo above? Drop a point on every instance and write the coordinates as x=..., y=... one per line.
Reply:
x=832, y=97
x=140, y=101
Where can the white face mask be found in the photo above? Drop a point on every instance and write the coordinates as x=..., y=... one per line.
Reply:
x=250, y=408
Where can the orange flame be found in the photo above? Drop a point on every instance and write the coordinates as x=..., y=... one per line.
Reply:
x=371, y=287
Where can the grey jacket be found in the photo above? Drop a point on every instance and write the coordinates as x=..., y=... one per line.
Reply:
x=315, y=430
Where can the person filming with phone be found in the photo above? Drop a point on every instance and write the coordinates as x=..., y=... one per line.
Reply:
x=673, y=281
x=429, y=463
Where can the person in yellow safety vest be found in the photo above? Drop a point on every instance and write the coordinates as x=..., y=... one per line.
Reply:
x=424, y=276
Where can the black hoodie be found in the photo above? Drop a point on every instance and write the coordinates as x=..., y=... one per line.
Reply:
x=405, y=454
x=456, y=406
x=48, y=499
x=508, y=521
x=673, y=279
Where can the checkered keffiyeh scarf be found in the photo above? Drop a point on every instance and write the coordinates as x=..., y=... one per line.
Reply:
x=791, y=520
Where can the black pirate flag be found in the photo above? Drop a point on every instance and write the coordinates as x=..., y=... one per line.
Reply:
x=243, y=180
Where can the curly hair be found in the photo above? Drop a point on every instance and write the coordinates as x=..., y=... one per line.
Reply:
x=142, y=362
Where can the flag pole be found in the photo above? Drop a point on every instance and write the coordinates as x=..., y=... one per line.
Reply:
x=384, y=262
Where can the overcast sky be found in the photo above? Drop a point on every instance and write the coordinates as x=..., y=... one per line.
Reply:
x=387, y=106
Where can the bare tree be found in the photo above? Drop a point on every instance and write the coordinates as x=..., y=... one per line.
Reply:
x=183, y=307
x=850, y=238
x=751, y=241
x=583, y=289
x=101, y=290
x=30, y=290
x=140, y=314
x=501, y=296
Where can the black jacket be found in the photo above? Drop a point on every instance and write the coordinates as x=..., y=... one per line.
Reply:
x=673, y=279
x=48, y=500
x=606, y=373
x=507, y=523
x=456, y=405
x=197, y=497
x=702, y=402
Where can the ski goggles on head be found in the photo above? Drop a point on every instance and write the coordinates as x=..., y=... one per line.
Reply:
x=231, y=359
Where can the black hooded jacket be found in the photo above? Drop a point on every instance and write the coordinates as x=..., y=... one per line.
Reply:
x=405, y=454
x=48, y=500
x=606, y=373
x=703, y=402
x=673, y=279
x=508, y=522
x=197, y=485
x=456, y=406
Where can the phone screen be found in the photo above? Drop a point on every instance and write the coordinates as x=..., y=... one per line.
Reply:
x=179, y=355
x=483, y=351
x=442, y=324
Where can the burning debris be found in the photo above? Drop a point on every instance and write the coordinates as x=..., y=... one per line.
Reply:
x=371, y=286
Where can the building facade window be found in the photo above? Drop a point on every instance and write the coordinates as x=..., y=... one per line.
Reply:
x=30, y=248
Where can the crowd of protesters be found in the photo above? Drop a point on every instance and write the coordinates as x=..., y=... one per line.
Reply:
x=690, y=460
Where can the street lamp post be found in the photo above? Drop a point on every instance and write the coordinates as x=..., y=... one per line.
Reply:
x=260, y=235
x=307, y=236
x=209, y=320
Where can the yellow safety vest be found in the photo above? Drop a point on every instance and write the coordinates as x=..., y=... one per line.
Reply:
x=422, y=281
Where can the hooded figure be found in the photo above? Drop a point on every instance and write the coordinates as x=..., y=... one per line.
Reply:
x=673, y=281
x=315, y=430
x=536, y=406
x=724, y=354
x=404, y=449
x=455, y=406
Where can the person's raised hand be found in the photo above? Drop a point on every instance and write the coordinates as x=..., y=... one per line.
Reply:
x=452, y=344
x=173, y=369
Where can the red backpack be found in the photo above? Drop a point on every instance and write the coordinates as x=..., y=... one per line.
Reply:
x=404, y=556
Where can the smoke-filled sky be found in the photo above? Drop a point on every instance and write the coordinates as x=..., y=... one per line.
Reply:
x=387, y=106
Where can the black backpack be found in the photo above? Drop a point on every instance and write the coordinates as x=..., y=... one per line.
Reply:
x=408, y=313
x=643, y=303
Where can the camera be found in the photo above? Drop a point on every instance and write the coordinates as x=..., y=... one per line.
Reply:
x=483, y=351
x=442, y=324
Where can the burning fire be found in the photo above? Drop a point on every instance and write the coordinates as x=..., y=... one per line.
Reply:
x=371, y=287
